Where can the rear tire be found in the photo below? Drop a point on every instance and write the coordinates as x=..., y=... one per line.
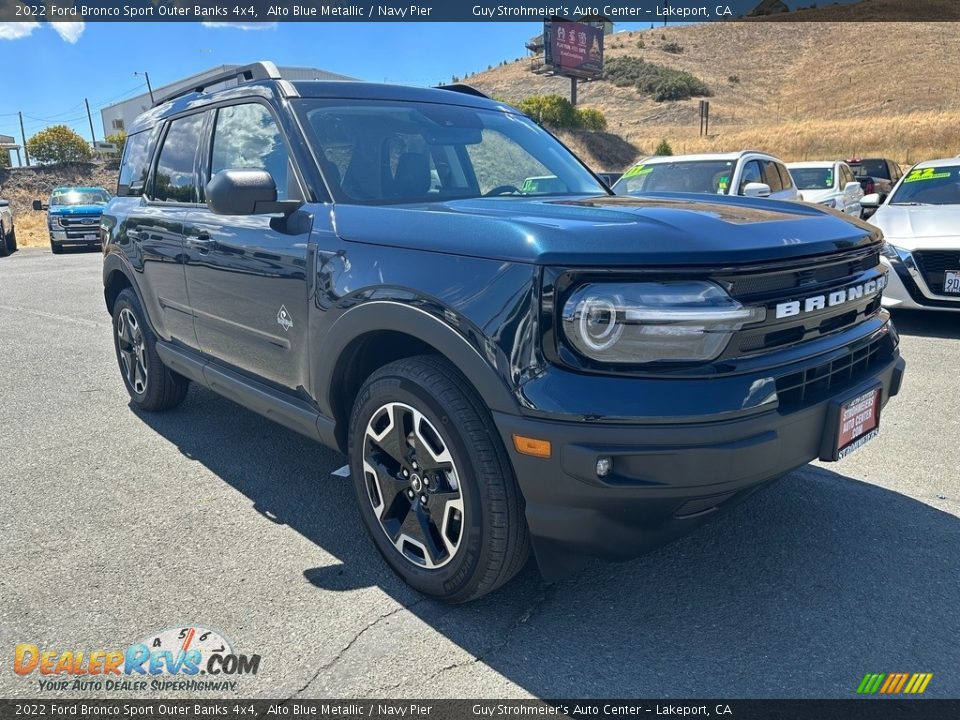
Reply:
x=434, y=484
x=12, y=240
x=152, y=385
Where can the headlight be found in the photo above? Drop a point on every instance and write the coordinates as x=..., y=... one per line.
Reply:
x=831, y=203
x=892, y=252
x=644, y=322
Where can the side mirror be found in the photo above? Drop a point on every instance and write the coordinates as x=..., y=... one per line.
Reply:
x=38, y=205
x=242, y=192
x=851, y=187
x=4, y=203
x=871, y=201
x=756, y=190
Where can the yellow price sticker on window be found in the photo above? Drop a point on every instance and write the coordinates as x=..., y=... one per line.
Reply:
x=918, y=174
x=637, y=170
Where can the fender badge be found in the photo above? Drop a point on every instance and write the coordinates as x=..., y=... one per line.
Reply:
x=283, y=318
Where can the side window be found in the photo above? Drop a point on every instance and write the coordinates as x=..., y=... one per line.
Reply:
x=751, y=174
x=895, y=172
x=247, y=136
x=175, y=180
x=771, y=177
x=785, y=178
x=135, y=165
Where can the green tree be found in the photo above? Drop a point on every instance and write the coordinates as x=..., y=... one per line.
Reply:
x=559, y=113
x=663, y=148
x=119, y=139
x=58, y=144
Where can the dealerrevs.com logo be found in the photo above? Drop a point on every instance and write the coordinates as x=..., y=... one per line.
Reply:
x=177, y=659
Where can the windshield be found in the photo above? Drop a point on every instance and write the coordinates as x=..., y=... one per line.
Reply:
x=929, y=186
x=389, y=151
x=80, y=197
x=694, y=176
x=813, y=178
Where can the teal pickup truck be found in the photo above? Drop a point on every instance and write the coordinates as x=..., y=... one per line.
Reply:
x=73, y=216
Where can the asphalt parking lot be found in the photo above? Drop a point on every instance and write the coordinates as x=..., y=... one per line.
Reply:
x=116, y=525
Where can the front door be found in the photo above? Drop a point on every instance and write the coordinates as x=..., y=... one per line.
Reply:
x=247, y=275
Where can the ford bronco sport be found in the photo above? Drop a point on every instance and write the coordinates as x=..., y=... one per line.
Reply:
x=569, y=371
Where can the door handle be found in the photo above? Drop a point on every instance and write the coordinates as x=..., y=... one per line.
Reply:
x=201, y=241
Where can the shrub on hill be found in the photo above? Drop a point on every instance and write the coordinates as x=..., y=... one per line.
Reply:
x=557, y=112
x=658, y=81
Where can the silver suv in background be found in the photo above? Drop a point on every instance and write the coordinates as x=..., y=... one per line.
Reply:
x=749, y=173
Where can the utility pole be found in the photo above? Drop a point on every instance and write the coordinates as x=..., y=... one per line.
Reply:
x=93, y=135
x=23, y=136
x=573, y=91
x=147, y=76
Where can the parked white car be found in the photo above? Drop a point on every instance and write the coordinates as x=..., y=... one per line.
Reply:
x=920, y=220
x=748, y=173
x=830, y=183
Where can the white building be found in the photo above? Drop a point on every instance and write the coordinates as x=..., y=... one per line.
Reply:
x=121, y=115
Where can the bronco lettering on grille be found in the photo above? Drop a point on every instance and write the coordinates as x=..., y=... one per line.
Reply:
x=832, y=299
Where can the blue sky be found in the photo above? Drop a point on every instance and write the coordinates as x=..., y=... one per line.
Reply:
x=57, y=68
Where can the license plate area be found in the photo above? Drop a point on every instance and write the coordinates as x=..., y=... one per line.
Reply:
x=851, y=424
x=951, y=282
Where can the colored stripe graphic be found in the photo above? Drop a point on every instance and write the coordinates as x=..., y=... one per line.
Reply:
x=894, y=683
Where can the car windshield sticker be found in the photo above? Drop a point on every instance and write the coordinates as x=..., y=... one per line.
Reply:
x=528, y=186
x=926, y=174
x=829, y=181
x=722, y=184
x=638, y=170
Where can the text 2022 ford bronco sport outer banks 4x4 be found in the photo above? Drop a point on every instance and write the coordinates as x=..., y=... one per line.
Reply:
x=576, y=372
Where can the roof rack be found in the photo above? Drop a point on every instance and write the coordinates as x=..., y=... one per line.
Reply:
x=463, y=89
x=264, y=70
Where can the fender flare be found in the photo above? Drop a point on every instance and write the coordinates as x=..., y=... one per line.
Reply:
x=113, y=263
x=388, y=315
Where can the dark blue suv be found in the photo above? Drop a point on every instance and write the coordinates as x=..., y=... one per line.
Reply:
x=507, y=365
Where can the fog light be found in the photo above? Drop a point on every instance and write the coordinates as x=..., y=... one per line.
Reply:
x=604, y=466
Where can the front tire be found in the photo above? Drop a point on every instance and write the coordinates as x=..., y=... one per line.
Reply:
x=152, y=385
x=55, y=247
x=435, y=487
x=12, y=240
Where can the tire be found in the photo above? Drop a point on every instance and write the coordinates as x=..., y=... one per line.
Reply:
x=55, y=247
x=4, y=243
x=460, y=557
x=12, y=240
x=152, y=386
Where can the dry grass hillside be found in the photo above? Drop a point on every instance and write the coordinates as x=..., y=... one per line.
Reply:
x=801, y=90
x=21, y=186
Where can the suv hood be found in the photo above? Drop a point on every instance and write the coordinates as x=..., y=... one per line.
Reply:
x=911, y=226
x=658, y=229
x=76, y=210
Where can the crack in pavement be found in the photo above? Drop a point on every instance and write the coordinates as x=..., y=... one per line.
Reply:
x=533, y=609
x=350, y=643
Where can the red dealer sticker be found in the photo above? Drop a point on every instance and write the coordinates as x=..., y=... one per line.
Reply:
x=859, y=422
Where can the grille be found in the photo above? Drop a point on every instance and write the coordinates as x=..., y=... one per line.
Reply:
x=820, y=381
x=76, y=222
x=804, y=278
x=934, y=263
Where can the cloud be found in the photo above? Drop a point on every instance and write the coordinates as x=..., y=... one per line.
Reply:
x=16, y=30
x=69, y=31
x=241, y=25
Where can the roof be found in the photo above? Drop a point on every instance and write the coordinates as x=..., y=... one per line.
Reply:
x=702, y=157
x=77, y=188
x=941, y=162
x=332, y=89
x=815, y=164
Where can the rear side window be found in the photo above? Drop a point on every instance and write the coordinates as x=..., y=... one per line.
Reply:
x=135, y=165
x=247, y=136
x=175, y=177
x=785, y=178
x=770, y=175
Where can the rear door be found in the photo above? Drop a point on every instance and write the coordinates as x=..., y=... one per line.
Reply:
x=153, y=224
x=247, y=275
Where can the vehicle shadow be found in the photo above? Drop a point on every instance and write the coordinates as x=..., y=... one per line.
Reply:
x=927, y=323
x=798, y=592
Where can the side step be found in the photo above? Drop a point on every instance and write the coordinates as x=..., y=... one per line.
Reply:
x=259, y=397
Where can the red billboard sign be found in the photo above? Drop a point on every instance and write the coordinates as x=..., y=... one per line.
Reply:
x=573, y=48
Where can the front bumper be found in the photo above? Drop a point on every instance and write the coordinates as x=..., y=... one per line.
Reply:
x=666, y=478
x=907, y=290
